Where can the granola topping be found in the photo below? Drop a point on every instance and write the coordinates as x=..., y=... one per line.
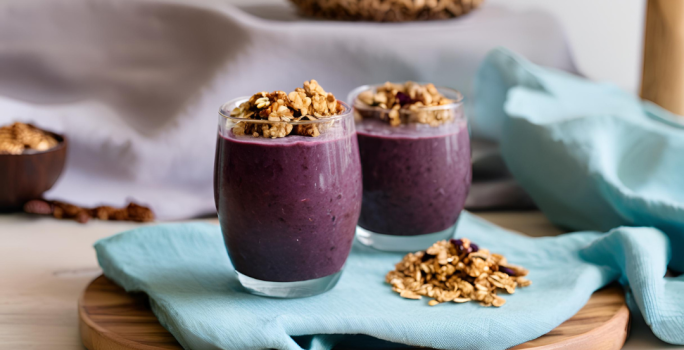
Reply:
x=386, y=10
x=19, y=138
x=310, y=102
x=458, y=271
x=405, y=103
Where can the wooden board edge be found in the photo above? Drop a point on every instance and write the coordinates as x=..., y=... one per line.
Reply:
x=95, y=338
x=592, y=340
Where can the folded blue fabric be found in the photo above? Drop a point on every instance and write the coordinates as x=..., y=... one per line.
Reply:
x=195, y=294
x=594, y=157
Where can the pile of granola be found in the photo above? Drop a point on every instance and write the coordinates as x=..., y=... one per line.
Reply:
x=409, y=98
x=386, y=10
x=19, y=137
x=456, y=270
x=311, y=102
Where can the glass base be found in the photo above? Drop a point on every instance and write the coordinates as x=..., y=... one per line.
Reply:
x=298, y=289
x=392, y=243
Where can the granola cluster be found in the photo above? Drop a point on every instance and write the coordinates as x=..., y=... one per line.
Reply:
x=386, y=10
x=311, y=102
x=63, y=210
x=19, y=137
x=456, y=270
x=405, y=104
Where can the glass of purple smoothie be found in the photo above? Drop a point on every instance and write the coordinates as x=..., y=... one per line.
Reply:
x=416, y=166
x=287, y=206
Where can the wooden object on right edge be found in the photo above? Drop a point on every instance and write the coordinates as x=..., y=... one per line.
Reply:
x=662, y=80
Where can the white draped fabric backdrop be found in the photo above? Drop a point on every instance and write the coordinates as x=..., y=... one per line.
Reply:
x=136, y=85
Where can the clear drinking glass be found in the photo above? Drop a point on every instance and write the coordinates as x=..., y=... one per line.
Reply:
x=288, y=206
x=415, y=176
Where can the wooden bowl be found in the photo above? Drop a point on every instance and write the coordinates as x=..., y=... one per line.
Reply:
x=24, y=177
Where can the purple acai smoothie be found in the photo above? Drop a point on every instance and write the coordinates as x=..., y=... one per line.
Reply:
x=415, y=177
x=288, y=207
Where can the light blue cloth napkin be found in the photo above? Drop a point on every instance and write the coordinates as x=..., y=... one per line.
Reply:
x=194, y=292
x=594, y=157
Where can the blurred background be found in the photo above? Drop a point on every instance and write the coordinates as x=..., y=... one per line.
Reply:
x=606, y=37
x=135, y=86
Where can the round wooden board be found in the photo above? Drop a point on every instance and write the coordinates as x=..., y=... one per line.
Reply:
x=111, y=319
